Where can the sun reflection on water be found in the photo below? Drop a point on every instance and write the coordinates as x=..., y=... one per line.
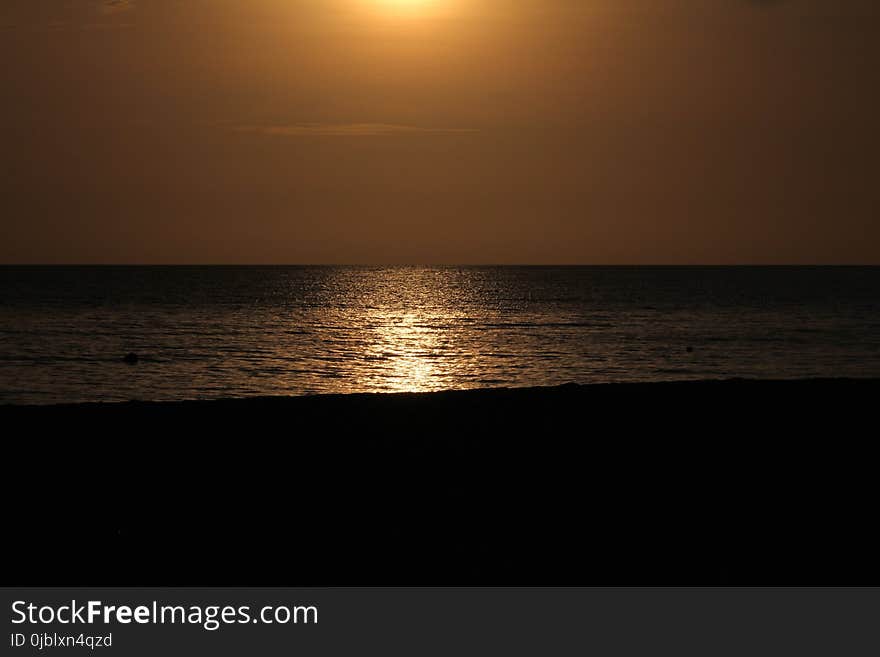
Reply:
x=409, y=348
x=410, y=325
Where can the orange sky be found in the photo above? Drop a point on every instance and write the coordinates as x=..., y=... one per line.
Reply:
x=449, y=131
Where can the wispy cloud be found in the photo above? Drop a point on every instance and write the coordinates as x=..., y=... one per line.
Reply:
x=764, y=3
x=116, y=6
x=346, y=130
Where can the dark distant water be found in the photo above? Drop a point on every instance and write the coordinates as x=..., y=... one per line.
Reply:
x=207, y=332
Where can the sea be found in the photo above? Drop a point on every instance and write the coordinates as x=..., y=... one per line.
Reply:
x=242, y=331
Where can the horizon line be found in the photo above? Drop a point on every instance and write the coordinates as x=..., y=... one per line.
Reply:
x=392, y=264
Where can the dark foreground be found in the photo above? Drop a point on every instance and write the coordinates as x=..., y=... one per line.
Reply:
x=680, y=483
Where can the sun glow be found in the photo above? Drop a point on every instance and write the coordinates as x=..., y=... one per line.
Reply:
x=409, y=7
x=406, y=4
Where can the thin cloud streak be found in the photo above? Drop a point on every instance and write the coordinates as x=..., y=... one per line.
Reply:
x=116, y=6
x=347, y=130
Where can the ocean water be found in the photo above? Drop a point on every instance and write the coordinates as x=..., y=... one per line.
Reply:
x=209, y=332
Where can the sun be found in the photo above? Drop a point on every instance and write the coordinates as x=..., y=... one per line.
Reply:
x=407, y=6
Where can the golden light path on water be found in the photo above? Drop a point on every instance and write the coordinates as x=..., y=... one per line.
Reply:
x=409, y=323
x=381, y=330
x=411, y=346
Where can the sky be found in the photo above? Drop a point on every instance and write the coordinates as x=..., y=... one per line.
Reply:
x=440, y=131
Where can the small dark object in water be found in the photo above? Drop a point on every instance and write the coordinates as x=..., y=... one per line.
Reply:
x=131, y=358
x=690, y=350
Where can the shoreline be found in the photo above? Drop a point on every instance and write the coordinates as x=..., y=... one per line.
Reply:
x=737, y=482
x=577, y=388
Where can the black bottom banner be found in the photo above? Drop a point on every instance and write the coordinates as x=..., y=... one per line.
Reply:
x=443, y=621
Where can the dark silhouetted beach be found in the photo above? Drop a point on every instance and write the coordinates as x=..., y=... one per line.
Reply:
x=721, y=482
